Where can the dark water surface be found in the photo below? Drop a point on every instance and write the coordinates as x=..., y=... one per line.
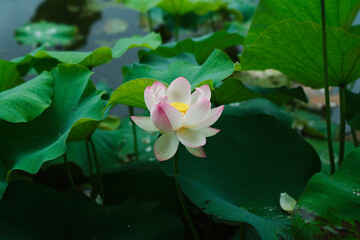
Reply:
x=95, y=20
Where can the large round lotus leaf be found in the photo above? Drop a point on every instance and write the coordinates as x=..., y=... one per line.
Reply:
x=295, y=48
x=329, y=208
x=28, y=100
x=31, y=211
x=49, y=34
x=250, y=162
x=217, y=67
x=338, y=14
x=26, y=146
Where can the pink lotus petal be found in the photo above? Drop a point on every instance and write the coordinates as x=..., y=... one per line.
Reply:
x=197, y=152
x=199, y=93
x=144, y=123
x=207, y=131
x=213, y=116
x=179, y=91
x=197, y=113
x=166, y=118
x=192, y=139
x=166, y=146
x=148, y=97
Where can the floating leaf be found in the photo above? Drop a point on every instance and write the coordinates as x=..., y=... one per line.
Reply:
x=338, y=14
x=32, y=211
x=201, y=47
x=250, y=162
x=217, y=67
x=28, y=100
x=49, y=34
x=26, y=146
x=329, y=208
x=233, y=90
x=296, y=50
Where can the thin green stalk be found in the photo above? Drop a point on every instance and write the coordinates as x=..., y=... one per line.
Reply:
x=98, y=171
x=91, y=171
x=149, y=20
x=327, y=94
x=212, y=21
x=342, y=123
x=355, y=139
x=183, y=202
x=68, y=171
x=177, y=19
x=131, y=111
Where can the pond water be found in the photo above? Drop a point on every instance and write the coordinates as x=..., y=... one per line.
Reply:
x=99, y=22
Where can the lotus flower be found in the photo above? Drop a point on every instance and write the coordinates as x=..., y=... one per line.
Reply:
x=179, y=116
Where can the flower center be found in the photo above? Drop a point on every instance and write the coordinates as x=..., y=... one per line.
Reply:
x=182, y=107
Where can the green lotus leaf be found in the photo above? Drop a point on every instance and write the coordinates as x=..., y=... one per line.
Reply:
x=46, y=33
x=26, y=146
x=9, y=75
x=32, y=211
x=28, y=100
x=258, y=106
x=329, y=207
x=249, y=163
x=131, y=93
x=201, y=47
x=338, y=14
x=217, y=67
x=296, y=50
x=174, y=7
x=233, y=90
x=42, y=59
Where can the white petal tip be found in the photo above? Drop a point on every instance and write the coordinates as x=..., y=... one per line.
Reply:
x=287, y=203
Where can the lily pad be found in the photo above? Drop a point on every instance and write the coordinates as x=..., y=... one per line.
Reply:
x=250, y=162
x=46, y=33
x=201, y=47
x=31, y=211
x=26, y=146
x=296, y=50
x=329, y=208
x=28, y=100
x=217, y=67
x=233, y=90
x=338, y=14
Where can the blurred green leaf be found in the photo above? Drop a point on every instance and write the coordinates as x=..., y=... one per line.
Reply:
x=201, y=47
x=46, y=33
x=329, y=208
x=9, y=75
x=352, y=101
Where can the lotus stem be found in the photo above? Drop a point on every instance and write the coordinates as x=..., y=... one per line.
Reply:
x=327, y=93
x=133, y=125
x=91, y=171
x=342, y=123
x=98, y=171
x=183, y=201
x=68, y=171
x=355, y=139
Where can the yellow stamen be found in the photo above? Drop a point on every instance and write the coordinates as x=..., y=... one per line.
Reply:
x=182, y=107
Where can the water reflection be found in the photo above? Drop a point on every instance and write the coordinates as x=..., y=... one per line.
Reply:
x=82, y=13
